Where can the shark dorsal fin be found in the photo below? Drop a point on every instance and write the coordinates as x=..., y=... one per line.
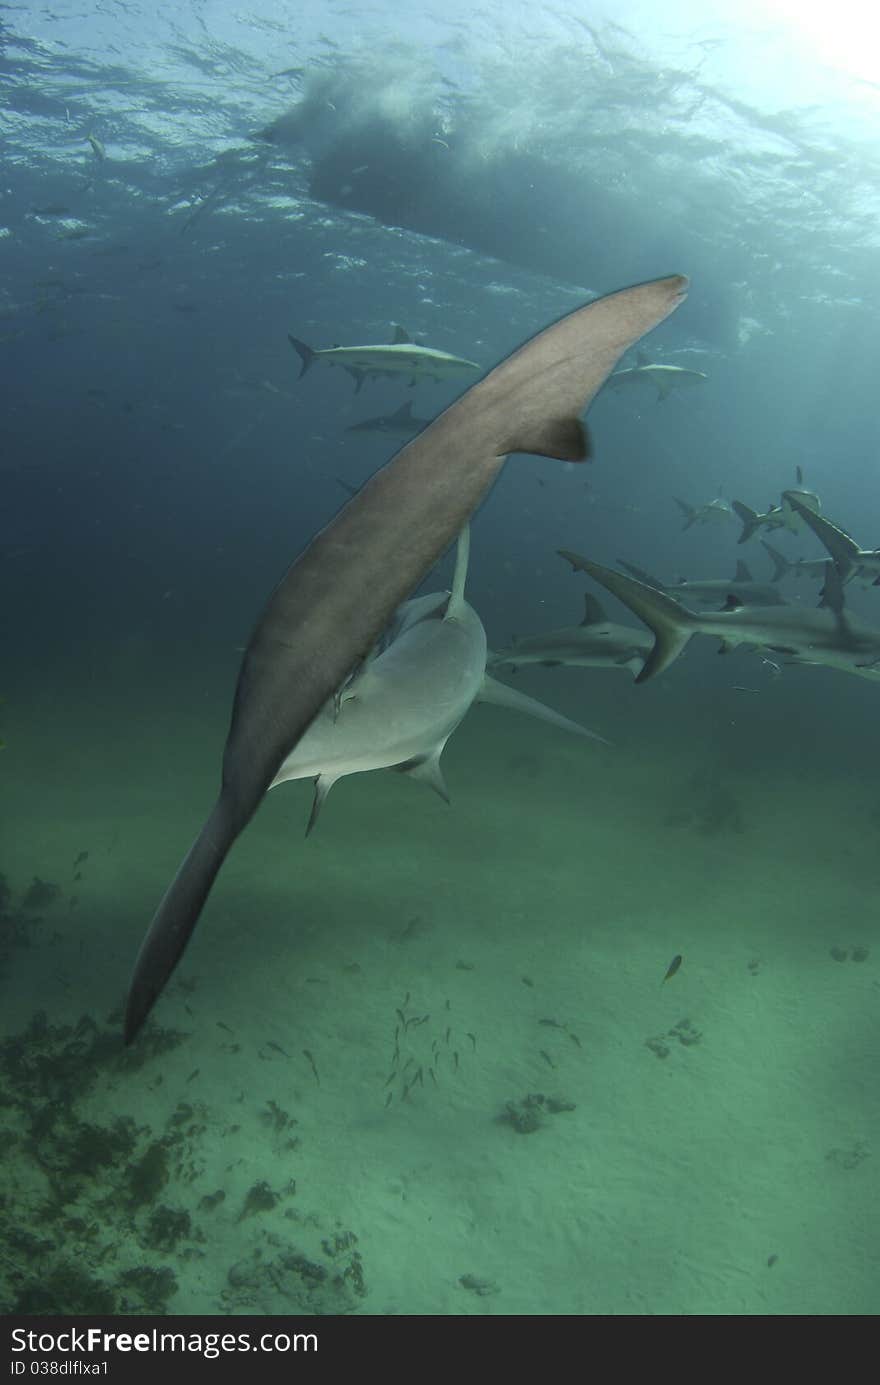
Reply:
x=642, y=359
x=462, y=554
x=400, y=335
x=799, y=475
x=404, y=413
x=732, y=603
x=594, y=613
x=742, y=573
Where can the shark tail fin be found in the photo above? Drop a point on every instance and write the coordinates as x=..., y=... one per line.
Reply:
x=178, y=913
x=780, y=563
x=749, y=517
x=671, y=623
x=690, y=514
x=307, y=355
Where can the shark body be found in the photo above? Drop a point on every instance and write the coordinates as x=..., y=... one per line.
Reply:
x=710, y=591
x=596, y=643
x=403, y=420
x=711, y=512
x=329, y=609
x=400, y=709
x=664, y=378
x=401, y=357
x=827, y=636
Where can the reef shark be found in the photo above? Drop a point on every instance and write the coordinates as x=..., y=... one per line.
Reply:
x=716, y=509
x=401, y=357
x=827, y=636
x=327, y=612
x=710, y=590
x=849, y=559
x=664, y=378
x=403, y=420
x=401, y=707
x=781, y=516
x=596, y=643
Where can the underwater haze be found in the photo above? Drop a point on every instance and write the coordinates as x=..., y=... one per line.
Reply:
x=598, y=1037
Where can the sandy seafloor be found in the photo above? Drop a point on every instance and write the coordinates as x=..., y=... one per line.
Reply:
x=721, y=1156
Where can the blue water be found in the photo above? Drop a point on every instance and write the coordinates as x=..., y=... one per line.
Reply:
x=330, y=171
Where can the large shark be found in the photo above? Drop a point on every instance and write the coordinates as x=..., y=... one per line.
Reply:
x=403, y=420
x=400, y=357
x=709, y=591
x=401, y=707
x=827, y=636
x=596, y=643
x=329, y=609
x=664, y=378
x=849, y=559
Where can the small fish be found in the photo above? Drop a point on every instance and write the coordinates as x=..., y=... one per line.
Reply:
x=673, y=967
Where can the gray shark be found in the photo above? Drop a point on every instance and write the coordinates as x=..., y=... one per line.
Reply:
x=329, y=609
x=709, y=591
x=403, y=420
x=827, y=636
x=596, y=643
x=401, y=707
x=782, y=516
x=849, y=559
x=664, y=378
x=713, y=510
x=400, y=357
x=798, y=567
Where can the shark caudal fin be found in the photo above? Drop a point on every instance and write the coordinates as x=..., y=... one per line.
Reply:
x=306, y=353
x=749, y=517
x=690, y=514
x=781, y=565
x=671, y=623
x=844, y=550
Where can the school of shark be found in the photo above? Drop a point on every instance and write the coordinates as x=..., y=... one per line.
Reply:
x=346, y=672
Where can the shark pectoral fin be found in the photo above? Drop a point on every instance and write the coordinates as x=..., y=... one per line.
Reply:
x=503, y=696
x=323, y=784
x=428, y=771
x=357, y=376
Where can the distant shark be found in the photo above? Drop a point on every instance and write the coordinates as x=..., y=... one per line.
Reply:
x=401, y=707
x=596, y=643
x=710, y=590
x=713, y=510
x=403, y=420
x=827, y=636
x=849, y=559
x=664, y=378
x=329, y=609
x=401, y=357
x=781, y=516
